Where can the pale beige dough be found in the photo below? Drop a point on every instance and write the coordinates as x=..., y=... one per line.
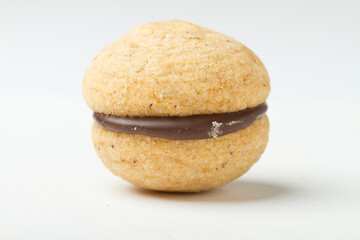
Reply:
x=181, y=165
x=174, y=68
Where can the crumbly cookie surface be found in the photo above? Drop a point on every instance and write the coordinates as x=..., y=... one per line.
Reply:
x=174, y=68
x=181, y=165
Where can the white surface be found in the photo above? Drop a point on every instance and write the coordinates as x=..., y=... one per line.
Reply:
x=306, y=185
x=53, y=186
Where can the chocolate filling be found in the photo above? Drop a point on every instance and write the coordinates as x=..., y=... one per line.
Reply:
x=189, y=127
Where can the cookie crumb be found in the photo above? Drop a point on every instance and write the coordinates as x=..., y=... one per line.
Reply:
x=215, y=130
x=234, y=122
x=150, y=105
x=231, y=153
x=112, y=146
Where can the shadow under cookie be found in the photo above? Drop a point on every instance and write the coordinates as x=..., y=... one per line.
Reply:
x=237, y=191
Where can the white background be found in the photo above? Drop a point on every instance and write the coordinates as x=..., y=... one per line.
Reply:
x=306, y=185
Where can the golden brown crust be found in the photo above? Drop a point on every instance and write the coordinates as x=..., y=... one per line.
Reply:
x=174, y=68
x=181, y=165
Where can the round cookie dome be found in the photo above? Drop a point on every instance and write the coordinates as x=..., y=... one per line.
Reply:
x=174, y=68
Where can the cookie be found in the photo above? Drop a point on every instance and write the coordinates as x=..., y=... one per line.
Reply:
x=177, y=107
x=174, y=69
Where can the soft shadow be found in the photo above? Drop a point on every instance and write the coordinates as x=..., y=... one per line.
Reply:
x=237, y=191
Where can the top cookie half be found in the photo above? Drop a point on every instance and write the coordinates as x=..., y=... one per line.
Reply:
x=174, y=68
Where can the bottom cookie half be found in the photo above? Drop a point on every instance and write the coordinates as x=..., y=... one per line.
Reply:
x=181, y=165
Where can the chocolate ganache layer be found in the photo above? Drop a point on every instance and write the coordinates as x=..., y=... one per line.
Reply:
x=189, y=127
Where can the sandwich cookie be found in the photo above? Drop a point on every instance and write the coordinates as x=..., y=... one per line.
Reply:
x=177, y=107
